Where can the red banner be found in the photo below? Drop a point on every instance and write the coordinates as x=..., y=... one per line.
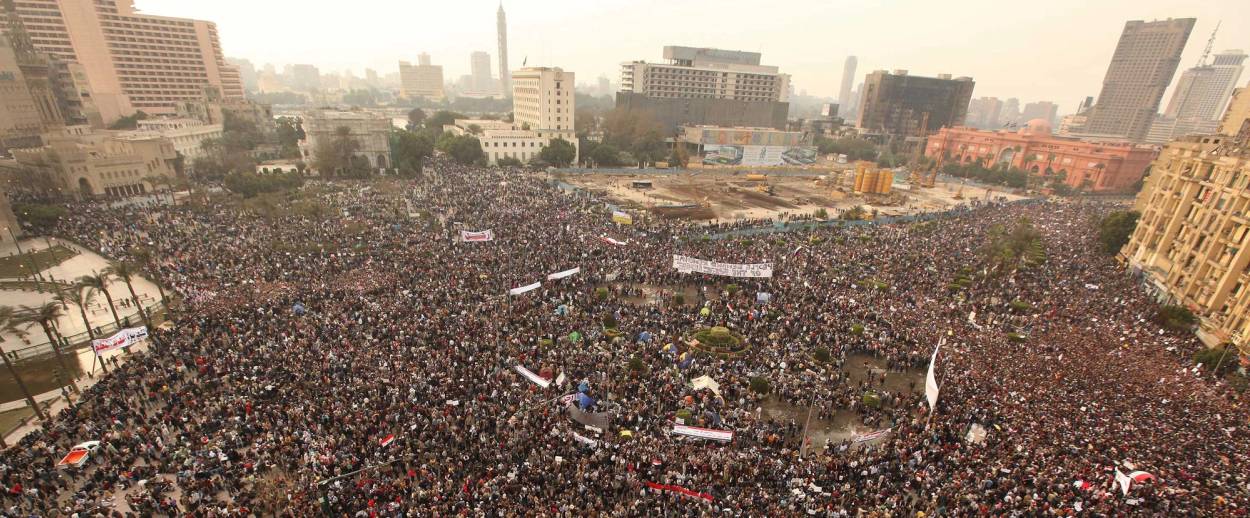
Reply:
x=680, y=490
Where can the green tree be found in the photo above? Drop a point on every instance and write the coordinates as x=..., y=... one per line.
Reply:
x=648, y=148
x=99, y=282
x=129, y=122
x=442, y=118
x=1114, y=230
x=605, y=155
x=509, y=161
x=408, y=150
x=679, y=157
x=465, y=149
x=45, y=317
x=10, y=323
x=559, y=153
x=334, y=155
x=126, y=272
x=416, y=117
x=288, y=133
x=40, y=217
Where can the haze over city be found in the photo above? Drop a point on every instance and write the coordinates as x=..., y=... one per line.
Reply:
x=1057, y=51
x=624, y=259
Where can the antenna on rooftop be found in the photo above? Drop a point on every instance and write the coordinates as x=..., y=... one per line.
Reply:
x=1210, y=42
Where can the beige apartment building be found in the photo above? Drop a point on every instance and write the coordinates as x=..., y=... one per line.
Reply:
x=133, y=61
x=543, y=102
x=88, y=164
x=421, y=80
x=1192, y=243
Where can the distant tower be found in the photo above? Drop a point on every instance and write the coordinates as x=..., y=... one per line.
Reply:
x=505, y=78
x=848, y=75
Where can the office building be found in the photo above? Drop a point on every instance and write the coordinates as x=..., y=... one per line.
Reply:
x=1191, y=243
x=1199, y=99
x=1144, y=62
x=370, y=130
x=543, y=105
x=247, y=73
x=984, y=112
x=1088, y=166
x=25, y=112
x=605, y=87
x=133, y=61
x=186, y=135
x=501, y=28
x=479, y=67
x=1236, y=119
x=302, y=77
x=848, y=79
x=703, y=86
x=212, y=108
x=423, y=80
x=1074, y=123
x=543, y=100
x=1044, y=110
x=901, y=105
x=101, y=163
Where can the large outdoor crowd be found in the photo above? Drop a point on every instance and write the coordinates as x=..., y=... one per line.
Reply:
x=359, y=360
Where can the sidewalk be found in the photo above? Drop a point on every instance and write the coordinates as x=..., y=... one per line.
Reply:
x=53, y=402
x=85, y=263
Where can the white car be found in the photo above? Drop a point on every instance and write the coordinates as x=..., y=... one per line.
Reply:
x=77, y=455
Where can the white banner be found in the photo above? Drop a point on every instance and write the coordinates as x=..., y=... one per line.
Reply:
x=611, y=241
x=930, y=380
x=703, y=433
x=685, y=264
x=124, y=338
x=485, y=235
x=563, y=274
x=538, y=380
x=523, y=289
x=585, y=440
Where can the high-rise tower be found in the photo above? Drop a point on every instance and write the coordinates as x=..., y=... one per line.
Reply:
x=848, y=75
x=1144, y=62
x=505, y=78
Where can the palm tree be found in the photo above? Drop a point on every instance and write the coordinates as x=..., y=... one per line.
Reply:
x=46, y=315
x=76, y=297
x=125, y=271
x=9, y=323
x=143, y=256
x=99, y=282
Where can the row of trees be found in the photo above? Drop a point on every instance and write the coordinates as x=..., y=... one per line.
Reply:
x=998, y=175
x=250, y=184
x=17, y=322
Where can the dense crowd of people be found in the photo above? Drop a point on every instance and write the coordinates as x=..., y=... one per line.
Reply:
x=346, y=354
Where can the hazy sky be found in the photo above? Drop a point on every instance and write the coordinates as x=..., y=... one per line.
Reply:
x=1054, y=50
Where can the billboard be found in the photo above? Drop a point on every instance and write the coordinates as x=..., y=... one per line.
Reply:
x=720, y=154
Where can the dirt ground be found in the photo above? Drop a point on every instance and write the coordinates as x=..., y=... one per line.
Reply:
x=707, y=195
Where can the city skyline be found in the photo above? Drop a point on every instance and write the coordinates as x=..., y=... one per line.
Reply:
x=1032, y=60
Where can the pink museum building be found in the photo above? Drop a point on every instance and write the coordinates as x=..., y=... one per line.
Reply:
x=1092, y=166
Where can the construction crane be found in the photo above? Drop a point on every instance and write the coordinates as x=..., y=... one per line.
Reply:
x=914, y=176
x=1202, y=61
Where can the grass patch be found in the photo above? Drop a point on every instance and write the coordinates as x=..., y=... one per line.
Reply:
x=19, y=265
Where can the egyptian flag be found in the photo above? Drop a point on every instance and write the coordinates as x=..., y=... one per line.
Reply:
x=386, y=441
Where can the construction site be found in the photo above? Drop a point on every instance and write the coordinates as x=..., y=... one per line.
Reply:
x=712, y=194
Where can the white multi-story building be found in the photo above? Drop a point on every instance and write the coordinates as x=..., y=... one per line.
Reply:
x=187, y=135
x=703, y=73
x=371, y=130
x=421, y=80
x=542, y=98
x=543, y=108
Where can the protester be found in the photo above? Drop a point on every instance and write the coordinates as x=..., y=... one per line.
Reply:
x=405, y=332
